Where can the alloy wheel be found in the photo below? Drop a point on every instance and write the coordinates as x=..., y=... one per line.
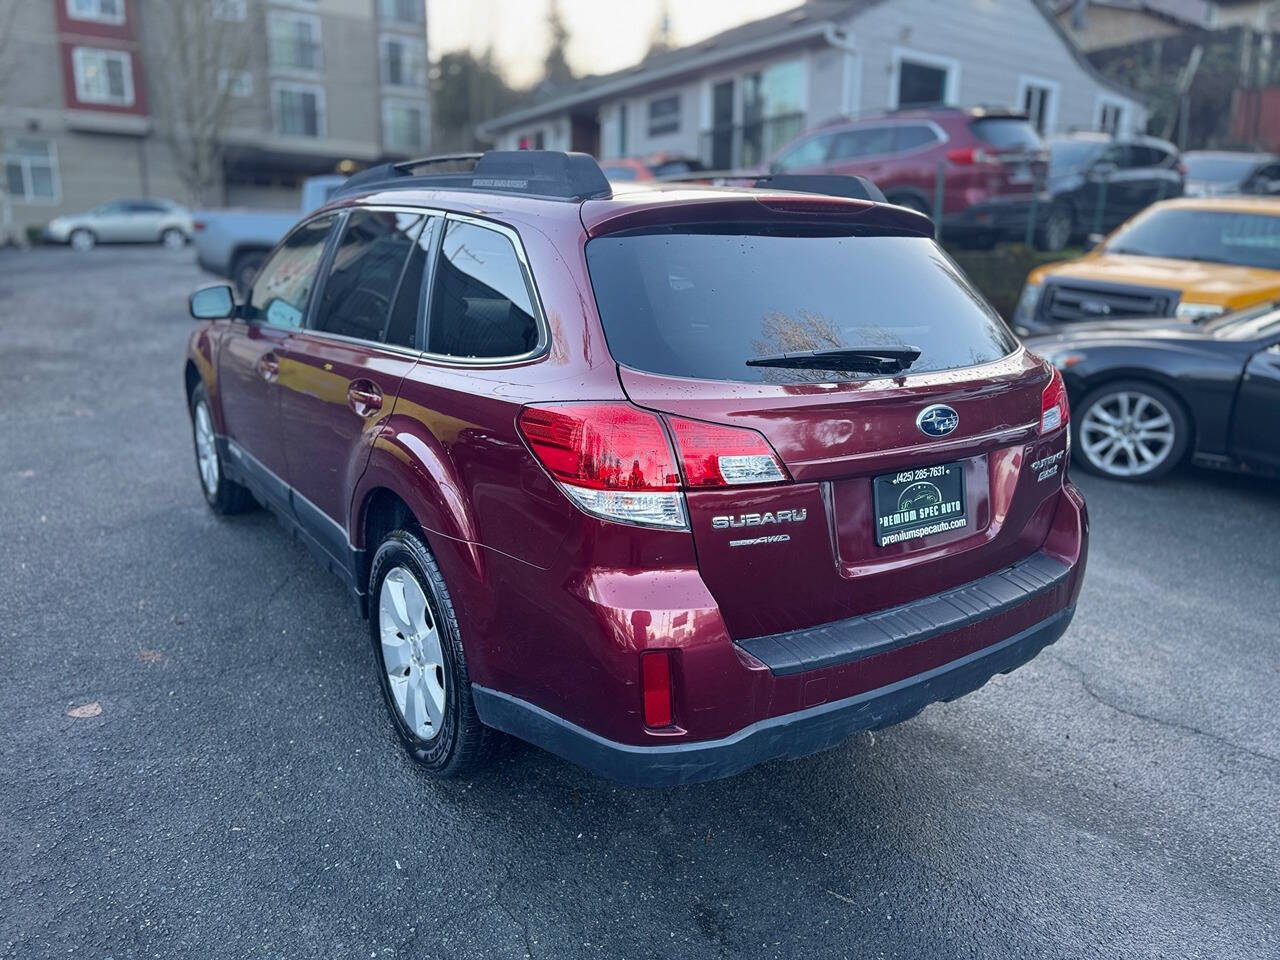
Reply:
x=411, y=653
x=206, y=449
x=173, y=239
x=82, y=240
x=1057, y=229
x=1127, y=434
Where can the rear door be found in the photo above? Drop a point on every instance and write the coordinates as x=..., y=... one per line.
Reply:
x=249, y=360
x=1254, y=437
x=339, y=377
x=684, y=312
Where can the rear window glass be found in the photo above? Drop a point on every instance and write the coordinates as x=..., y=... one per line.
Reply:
x=1218, y=169
x=701, y=304
x=1006, y=132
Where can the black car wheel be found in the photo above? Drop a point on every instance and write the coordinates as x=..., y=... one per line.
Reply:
x=1130, y=430
x=420, y=660
x=223, y=496
x=1055, y=233
x=82, y=239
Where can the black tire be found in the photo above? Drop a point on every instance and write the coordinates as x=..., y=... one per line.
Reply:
x=1176, y=448
x=462, y=744
x=81, y=239
x=224, y=496
x=244, y=270
x=1057, y=229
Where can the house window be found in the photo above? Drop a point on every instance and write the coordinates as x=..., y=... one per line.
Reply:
x=101, y=11
x=1038, y=100
x=1110, y=116
x=294, y=41
x=30, y=170
x=238, y=83
x=772, y=109
x=664, y=115
x=299, y=109
x=404, y=126
x=404, y=62
x=103, y=76
x=404, y=11
x=233, y=10
x=923, y=80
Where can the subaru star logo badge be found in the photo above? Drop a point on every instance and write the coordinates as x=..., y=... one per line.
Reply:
x=937, y=420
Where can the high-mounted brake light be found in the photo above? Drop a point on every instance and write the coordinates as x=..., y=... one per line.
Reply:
x=612, y=459
x=713, y=455
x=1054, y=408
x=655, y=684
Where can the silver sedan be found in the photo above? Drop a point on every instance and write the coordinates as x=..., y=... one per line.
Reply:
x=124, y=221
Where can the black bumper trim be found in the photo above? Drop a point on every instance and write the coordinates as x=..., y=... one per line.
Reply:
x=846, y=641
x=792, y=735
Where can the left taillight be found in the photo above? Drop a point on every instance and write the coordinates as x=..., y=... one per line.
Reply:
x=1055, y=412
x=612, y=459
x=615, y=460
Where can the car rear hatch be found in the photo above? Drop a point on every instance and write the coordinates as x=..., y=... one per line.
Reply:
x=1012, y=151
x=888, y=487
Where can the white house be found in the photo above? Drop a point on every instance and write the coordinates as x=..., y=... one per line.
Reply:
x=733, y=99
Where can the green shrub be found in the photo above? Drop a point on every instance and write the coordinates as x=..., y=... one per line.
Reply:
x=1000, y=273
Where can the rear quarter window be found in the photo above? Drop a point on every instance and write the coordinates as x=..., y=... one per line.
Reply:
x=701, y=304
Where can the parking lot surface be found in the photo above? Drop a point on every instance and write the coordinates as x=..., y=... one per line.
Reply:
x=242, y=793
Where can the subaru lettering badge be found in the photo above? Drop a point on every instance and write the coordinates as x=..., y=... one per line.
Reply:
x=937, y=420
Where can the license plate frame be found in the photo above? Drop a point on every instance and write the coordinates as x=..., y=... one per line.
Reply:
x=919, y=502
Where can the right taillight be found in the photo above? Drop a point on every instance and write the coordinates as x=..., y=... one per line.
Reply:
x=615, y=461
x=1054, y=409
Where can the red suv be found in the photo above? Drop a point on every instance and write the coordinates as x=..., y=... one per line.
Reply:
x=668, y=482
x=992, y=161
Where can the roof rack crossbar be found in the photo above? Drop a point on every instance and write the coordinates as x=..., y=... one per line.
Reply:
x=549, y=174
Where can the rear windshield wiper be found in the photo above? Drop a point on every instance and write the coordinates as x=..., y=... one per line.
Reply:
x=858, y=359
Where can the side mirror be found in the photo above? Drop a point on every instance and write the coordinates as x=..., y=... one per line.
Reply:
x=215, y=302
x=1093, y=240
x=1102, y=169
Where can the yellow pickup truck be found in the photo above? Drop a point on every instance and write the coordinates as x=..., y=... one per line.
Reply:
x=1190, y=258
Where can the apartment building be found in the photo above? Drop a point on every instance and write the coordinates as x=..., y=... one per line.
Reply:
x=313, y=83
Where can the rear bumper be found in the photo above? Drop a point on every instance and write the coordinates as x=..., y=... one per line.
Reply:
x=795, y=734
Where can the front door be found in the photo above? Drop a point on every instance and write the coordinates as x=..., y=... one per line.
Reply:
x=1255, y=437
x=339, y=377
x=249, y=360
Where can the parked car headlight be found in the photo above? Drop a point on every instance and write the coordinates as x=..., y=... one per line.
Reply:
x=1024, y=313
x=1198, y=311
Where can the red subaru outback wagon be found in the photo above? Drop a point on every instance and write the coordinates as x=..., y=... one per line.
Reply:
x=669, y=482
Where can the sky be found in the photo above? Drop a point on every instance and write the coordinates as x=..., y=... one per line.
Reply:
x=604, y=35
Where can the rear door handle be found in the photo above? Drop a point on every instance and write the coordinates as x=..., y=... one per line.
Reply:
x=364, y=397
x=269, y=366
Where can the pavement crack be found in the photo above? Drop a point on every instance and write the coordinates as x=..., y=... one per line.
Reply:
x=1152, y=718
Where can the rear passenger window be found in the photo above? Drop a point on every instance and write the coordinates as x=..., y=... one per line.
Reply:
x=356, y=300
x=809, y=153
x=402, y=330
x=912, y=138
x=481, y=306
x=863, y=143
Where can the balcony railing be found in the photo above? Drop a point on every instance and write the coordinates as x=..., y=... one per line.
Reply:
x=732, y=146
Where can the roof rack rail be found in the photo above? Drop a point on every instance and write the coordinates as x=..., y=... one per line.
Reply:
x=547, y=174
x=831, y=185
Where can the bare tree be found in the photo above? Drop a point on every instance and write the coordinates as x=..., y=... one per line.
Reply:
x=193, y=58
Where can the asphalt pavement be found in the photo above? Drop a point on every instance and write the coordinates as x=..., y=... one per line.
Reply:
x=241, y=792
